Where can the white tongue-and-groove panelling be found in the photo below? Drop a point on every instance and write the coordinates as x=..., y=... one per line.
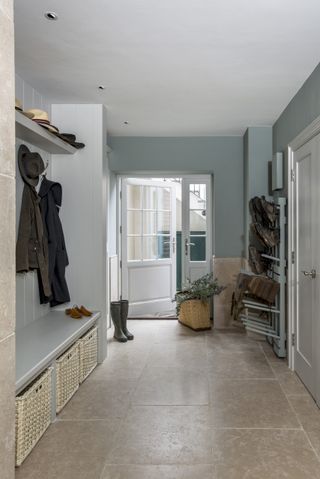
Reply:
x=28, y=306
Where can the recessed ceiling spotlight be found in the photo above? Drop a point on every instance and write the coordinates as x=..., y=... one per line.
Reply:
x=126, y=123
x=51, y=16
x=101, y=87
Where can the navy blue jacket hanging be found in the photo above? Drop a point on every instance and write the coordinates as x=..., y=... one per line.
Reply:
x=51, y=197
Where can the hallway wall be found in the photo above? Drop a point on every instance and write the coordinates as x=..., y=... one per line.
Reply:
x=220, y=156
x=257, y=154
x=300, y=112
x=7, y=241
x=28, y=307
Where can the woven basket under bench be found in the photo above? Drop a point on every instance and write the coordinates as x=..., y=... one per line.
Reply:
x=67, y=376
x=33, y=415
x=88, y=352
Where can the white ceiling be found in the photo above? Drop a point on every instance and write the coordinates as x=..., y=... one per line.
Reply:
x=171, y=67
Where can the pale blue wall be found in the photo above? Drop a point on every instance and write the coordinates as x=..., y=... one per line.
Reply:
x=257, y=154
x=220, y=156
x=301, y=111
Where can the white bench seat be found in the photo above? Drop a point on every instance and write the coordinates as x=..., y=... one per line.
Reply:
x=38, y=344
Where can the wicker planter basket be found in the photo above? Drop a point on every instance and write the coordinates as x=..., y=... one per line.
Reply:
x=68, y=376
x=88, y=350
x=33, y=415
x=195, y=314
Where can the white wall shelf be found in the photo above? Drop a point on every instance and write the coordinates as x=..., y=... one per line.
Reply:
x=30, y=132
x=42, y=341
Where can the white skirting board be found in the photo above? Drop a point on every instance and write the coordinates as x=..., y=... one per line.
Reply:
x=113, y=278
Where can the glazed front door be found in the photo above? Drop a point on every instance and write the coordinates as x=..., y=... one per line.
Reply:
x=196, y=227
x=148, y=246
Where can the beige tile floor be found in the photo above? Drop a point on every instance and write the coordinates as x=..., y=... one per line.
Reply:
x=176, y=404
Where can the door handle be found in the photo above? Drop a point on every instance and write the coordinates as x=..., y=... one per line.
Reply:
x=312, y=274
x=173, y=244
x=186, y=244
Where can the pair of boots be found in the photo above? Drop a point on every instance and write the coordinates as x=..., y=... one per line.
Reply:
x=119, y=315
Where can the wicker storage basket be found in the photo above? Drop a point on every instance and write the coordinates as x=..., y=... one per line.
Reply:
x=33, y=415
x=195, y=314
x=88, y=350
x=68, y=376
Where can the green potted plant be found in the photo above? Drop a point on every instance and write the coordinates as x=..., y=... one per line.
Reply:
x=192, y=302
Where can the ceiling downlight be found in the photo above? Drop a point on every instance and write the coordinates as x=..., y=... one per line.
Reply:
x=51, y=16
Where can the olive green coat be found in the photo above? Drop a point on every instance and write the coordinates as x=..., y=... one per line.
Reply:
x=32, y=245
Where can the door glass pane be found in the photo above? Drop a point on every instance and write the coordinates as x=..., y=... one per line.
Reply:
x=149, y=222
x=198, y=222
x=149, y=197
x=134, y=248
x=134, y=222
x=163, y=247
x=134, y=196
x=149, y=247
x=198, y=248
x=164, y=222
x=198, y=196
x=164, y=199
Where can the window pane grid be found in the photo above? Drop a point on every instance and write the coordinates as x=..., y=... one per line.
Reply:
x=150, y=222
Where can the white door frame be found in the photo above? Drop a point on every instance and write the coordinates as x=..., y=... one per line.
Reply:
x=306, y=135
x=161, y=174
x=166, y=265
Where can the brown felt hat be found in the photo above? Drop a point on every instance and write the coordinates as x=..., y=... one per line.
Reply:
x=31, y=165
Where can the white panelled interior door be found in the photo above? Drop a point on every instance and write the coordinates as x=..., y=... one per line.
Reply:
x=196, y=227
x=148, y=246
x=306, y=267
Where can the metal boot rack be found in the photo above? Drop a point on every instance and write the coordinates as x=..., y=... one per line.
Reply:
x=274, y=326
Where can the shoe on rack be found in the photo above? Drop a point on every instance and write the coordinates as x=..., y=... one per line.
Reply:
x=259, y=265
x=267, y=237
x=269, y=211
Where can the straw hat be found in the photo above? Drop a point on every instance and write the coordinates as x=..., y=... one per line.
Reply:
x=18, y=106
x=41, y=117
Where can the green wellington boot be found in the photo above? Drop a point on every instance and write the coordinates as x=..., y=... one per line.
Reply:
x=124, y=317
x=115, y=309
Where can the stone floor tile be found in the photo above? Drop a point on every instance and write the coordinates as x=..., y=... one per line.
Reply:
x=291, y=383
x=164, y=435
x=178, y=355
x=158, y=472
x=309, y=416
x=120, y=367
x=171, y=386
x=100, y=399
x=67, y=465
x=279, y=367
x=173, y=331
x=82, y=438
x=250, y=404
x=268, y=351
x=263, y=454
x=230, y=342
x=244, y=364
